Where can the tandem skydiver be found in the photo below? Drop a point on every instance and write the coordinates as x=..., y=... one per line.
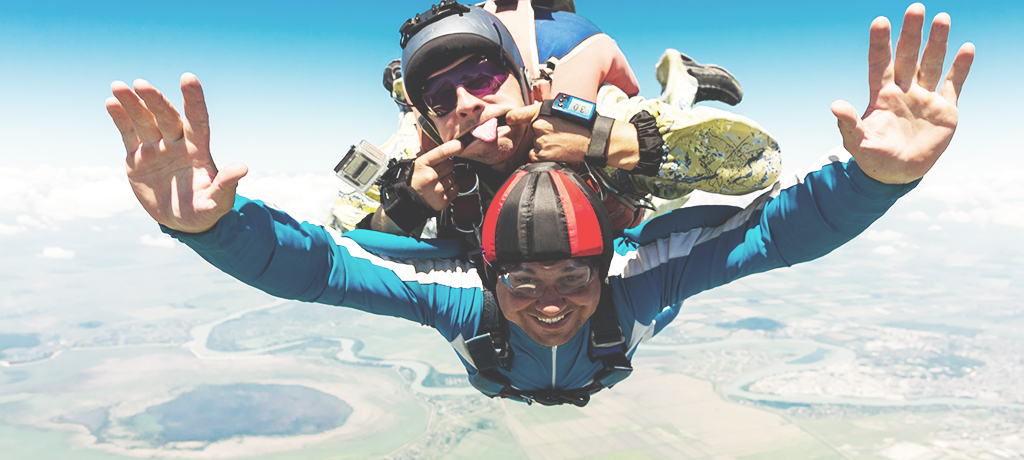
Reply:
x=575, y=302
x=666, y=150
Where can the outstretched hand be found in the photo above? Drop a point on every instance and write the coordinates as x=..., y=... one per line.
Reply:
x=169, y=164
x=908, y=123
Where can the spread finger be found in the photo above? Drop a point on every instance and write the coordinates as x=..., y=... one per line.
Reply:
x=124, y=124
x=168, y=120
x=909, y=46
x=140, y=115
x=934, y=53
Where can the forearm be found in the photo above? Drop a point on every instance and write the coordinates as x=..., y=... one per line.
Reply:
x=812, y=216
x=266, y=249
x=694, y=249
x=826, y=209
x=370, y=271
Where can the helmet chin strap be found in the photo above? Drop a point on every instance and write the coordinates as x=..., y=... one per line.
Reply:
x=429, y=129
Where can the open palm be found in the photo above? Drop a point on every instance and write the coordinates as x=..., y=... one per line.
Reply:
x=169, y=164
x=908, y=123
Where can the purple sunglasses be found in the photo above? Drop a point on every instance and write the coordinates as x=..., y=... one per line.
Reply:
x=479, y=76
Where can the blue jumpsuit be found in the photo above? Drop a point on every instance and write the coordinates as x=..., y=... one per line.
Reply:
x=662, y=262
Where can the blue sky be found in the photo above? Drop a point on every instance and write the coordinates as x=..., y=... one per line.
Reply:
x=291, y=85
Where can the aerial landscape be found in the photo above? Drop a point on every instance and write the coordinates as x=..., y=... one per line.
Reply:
x=118, y=342
x=805, y=362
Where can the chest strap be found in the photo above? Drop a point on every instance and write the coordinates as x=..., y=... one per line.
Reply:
x=490, y=351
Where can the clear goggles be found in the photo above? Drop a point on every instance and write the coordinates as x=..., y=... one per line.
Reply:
x=530, y=280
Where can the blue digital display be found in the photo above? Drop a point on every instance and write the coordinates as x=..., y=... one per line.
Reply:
x=574, y=108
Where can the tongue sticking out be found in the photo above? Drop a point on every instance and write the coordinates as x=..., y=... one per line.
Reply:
x=487, y=131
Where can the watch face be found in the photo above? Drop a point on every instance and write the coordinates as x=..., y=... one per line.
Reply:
x=580, y=107
x=574, y=108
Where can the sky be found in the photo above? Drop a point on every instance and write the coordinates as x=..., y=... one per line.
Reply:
x=290, y=85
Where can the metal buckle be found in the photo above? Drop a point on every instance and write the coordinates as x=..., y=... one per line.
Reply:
x=621, y=339
x=459, y=203
x=593, y=180
x=609, y=377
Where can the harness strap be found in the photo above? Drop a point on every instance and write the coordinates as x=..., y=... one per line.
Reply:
x=606, y=336
x=547, y=71
x=489, y=348
x=608, y=343
x=486, y=180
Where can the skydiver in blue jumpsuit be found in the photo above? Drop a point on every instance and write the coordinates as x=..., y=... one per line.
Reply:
x=549, y=263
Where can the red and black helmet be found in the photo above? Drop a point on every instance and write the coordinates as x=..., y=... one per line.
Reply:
x=546, y=212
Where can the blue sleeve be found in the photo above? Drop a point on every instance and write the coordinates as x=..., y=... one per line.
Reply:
x=273, y=252
x=691, y=250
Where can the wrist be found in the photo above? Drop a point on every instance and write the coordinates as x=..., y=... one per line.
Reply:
x=401, y=205
x=405, y=208
x=623, y=149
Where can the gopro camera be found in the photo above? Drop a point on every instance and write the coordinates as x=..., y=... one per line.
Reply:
x=574, y=109
x=361, y=166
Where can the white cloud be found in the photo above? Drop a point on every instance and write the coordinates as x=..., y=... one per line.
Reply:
x=958, y=216
x=934, y=228
x=882, y=236
x=918, y=216
x=1010, y=216
x=885, y=250
x=162, y=241
x=301, y=195
x=45, y=197
x=961, y=260
x=57, y=253
x=995, y=197
x=7, y=230
x=30, y=221
x=47, y=194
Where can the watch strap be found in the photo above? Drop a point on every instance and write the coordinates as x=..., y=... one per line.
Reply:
x=597, y=151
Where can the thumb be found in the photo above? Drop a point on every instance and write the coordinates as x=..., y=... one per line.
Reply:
x=846, y=116
x=226, y=181
x=522, y=115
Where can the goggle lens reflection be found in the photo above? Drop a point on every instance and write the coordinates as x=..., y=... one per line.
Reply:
x=525, y=281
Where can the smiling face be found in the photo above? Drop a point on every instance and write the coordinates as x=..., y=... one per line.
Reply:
x=555, y=303
x=476, y=104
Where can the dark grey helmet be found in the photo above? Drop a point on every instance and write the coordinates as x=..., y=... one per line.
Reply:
x=446, y=32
